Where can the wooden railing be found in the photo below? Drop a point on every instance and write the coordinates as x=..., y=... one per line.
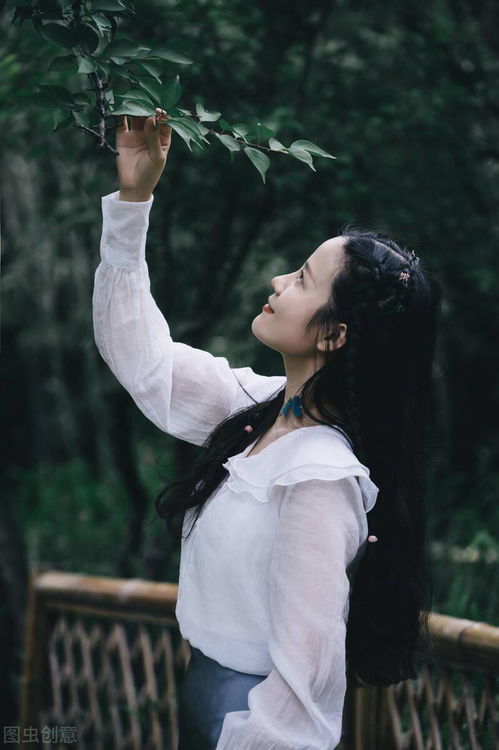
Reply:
x=104, y=658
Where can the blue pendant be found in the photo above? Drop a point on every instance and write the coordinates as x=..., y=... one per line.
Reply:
x=295, y=405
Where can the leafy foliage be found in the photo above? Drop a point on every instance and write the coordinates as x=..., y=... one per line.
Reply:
x=127, y=79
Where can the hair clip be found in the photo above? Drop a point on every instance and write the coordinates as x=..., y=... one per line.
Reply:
x=248, y=428
x=404, y=276
x=372, y=538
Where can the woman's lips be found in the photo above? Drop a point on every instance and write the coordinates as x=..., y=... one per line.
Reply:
x=266, y=308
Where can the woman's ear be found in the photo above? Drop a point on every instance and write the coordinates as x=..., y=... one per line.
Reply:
x=333, y=340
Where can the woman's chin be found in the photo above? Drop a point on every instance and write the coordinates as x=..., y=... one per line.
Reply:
x=256, y=325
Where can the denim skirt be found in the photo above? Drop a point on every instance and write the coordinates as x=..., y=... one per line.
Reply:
x=209, y=691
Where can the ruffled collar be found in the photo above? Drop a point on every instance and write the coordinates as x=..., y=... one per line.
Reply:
x=323, y=453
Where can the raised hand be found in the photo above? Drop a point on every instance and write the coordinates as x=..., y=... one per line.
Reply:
x=142, y=152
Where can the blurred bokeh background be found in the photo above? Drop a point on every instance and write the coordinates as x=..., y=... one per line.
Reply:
x=406, y=96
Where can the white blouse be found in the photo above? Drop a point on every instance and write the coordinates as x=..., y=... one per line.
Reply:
x=264, y=575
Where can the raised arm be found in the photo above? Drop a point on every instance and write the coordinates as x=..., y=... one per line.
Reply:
x=184, y=391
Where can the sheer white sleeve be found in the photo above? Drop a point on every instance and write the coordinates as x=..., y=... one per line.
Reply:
x=299, y=705
x=184, y=391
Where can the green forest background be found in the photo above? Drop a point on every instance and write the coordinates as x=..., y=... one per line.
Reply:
x=406, y=96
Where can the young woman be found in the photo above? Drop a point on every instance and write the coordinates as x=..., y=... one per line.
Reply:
x=304, y=561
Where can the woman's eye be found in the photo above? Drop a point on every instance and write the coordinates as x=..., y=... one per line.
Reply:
x=301, y=278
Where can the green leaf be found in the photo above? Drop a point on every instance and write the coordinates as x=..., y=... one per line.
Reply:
x=134, y=109
x=109, y=6
x=49, y=96
x=88, y=37
x=62, y=63
x=206, y=116
x=151, y=67
x=225, y=125
x=60, y=119
x=241, y=129
x=262, y=131
x=125, y=75
x=229, y=142
x=144, y=104
x=122, y=47
x=104, y=68
x=196, y=127
x=80, y=101
x=85, y=118
x=259, y=159
x=85, y=65
x=199, y=145
x=139, y=97
x=152, y=86
x=312, y=148
x=122, y=78
x=195, y=130
x=175, y=112
x=183, y=132
x=142, y=53
x=58, y=34
x=101, y=21
x=302, y=155
x=167, y=53
x=276, y=145
x=171, y=93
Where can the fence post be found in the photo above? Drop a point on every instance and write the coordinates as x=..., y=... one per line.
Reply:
x=34, y=653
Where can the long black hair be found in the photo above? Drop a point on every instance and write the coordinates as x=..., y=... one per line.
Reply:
x=380, y=382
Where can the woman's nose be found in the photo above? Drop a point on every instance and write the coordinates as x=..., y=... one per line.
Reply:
x=277, y=283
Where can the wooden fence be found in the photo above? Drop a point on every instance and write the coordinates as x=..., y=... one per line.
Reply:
x=104, y=658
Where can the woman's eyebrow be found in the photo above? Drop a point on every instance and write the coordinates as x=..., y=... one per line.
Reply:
x=306, y=267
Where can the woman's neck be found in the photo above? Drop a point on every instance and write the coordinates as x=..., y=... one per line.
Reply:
x=291, y=422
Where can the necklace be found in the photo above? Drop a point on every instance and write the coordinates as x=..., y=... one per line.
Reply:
x=293, y=404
